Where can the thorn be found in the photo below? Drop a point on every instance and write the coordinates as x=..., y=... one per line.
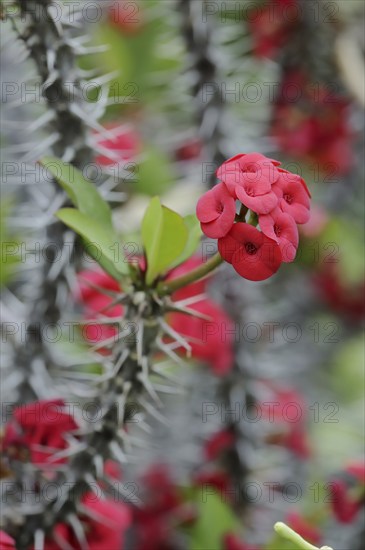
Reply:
x=175, y=335
x=117, y=452
x=151, y=410
x=39, y=539
x=78, y=530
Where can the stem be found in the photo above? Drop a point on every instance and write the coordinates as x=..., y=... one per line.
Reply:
x=165, y=288
x=287, y=533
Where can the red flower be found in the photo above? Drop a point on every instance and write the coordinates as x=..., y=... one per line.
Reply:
x=6, y=542
x=357, y=470
x=311, y=122
x=217, y=479
x=272, y=27
x=189, y=150
x=216, y=211
x=123, y=145
x=232, y=542
x=294, y=196
x=285, y=410
x=253, y=255
x=281, y=227
x=344, y=507
x=39, y=428
x=96, y=303
x=302, y=526
x=252, y=166
x=162, y=508
x=342, y=298
x=218, y=443
x=211, y=341
x=126, y=16
x=348, y=492
x=106, y=532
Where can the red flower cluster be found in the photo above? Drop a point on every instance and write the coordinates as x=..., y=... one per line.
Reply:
x=37, y=431
x=280, y=199
x=272, y=26
x=311, y=122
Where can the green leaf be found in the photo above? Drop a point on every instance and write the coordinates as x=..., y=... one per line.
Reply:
x=164, y=236
x=103, y=244
x=194, y=236
x=215, y=520
x=82, y=192
x=154, y=174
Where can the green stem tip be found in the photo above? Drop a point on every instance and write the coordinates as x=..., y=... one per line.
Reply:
x=168, y=287
x=287, y=533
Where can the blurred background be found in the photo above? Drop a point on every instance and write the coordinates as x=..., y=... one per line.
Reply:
x=267, y=423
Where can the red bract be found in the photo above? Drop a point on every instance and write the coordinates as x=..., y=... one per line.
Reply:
x=294, y=197
x=106, y=532
x=211, y=341
x=253, y=255
x=249, y=178
x=39, y=429
x=281, y=228
x=216, y=211
x=6, y=542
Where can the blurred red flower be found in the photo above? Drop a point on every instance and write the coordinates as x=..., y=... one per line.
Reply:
x=6, y=542
x=232, y=542
x=123, y=145
x=342, y=298
x=218, y=443
x=104, y=527
x=311, y=122
x=272, y=26
x=286, y=411
x=39, y=429
x=126, y=16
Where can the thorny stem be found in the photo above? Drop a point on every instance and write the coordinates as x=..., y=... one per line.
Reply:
x=165, y=288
